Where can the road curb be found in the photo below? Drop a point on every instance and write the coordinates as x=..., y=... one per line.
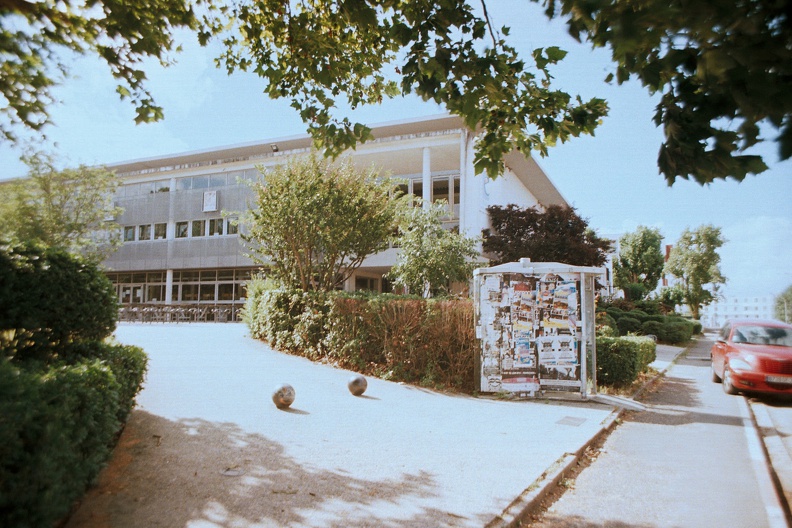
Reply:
x=530, y=501
x=779, y=459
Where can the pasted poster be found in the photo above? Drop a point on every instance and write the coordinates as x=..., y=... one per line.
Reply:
x=529, y=328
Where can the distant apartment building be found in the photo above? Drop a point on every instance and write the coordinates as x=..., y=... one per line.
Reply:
x=733, y=307
x=182, y=247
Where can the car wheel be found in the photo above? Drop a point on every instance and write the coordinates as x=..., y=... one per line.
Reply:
x=728, y=387
x=715, y=377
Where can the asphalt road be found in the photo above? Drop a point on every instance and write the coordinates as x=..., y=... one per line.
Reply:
x=692, y=459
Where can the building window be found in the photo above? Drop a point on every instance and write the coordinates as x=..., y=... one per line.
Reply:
x=208, y=292
x=189, y=292
x=181, y=229
x=366, y=283
x=215, y=226
x=160, y=231
x=233, y=226
x=225, y=292
x=144, y=232
x=129, y=233
x=198, y=228
x=200, y=182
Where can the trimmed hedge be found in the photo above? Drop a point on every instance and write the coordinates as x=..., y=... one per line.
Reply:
x=64, y=393
x=617, y=361
x=647, y=350
x=628, y=325
x=57, y=428
x=405, y=338
x=52, y=298
x=621, y=359
x=669, y=329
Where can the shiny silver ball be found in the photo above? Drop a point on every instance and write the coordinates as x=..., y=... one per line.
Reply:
x=357, y=385
x=283, y=396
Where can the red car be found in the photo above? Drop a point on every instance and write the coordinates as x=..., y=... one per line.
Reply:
x=753, y=355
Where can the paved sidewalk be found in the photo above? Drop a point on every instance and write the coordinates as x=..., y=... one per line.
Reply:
x=206, y=446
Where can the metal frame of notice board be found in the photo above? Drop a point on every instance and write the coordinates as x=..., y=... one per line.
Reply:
x=535, y=323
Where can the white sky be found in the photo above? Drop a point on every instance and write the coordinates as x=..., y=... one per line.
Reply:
x=611, y=179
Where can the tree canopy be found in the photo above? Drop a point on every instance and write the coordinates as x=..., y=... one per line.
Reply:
x=556, y=234
x=723, y=69
x=639, y=265
x=360, y=52
x=72, y=208
x=695, y=262
x=36, y=38
x=314, y=222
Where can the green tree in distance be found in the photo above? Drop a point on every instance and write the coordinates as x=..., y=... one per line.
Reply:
x=431, y=257
x=73, y=208
x=639, y=265
x=556, y=234
x=783, y=306
x=695, y=262
x=37, y=37
x=314, y=222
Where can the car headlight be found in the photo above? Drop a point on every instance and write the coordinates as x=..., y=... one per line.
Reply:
x=740, y=364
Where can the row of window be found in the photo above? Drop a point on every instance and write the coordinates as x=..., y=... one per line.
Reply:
x=189, y=286
x=440, y=184
x=205, y=181
x=204, y=227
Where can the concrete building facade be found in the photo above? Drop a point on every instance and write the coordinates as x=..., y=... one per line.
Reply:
x=181, y=246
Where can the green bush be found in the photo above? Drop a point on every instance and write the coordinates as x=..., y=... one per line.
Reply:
x=404, y=338
x=57, y=427
x=54, y=298
x=649, y=306
x=697, y=327
x=63, y=391
x=677, y=332
x=604, y=319
x=654, y=328
x=638, y=314
x=647, y=350
x=618, y=361
x=628, y=325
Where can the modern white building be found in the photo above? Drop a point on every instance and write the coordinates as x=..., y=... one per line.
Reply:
x=718, y=312
x=181, y=248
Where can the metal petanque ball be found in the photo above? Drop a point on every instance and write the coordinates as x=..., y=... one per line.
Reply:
x=283, y=396
x=357, y=385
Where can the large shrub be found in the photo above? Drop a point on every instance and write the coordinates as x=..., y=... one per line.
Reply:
x=52, y=298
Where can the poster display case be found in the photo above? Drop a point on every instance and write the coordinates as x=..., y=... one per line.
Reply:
x=535, y=324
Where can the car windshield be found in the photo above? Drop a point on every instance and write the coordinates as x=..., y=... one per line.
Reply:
x=762, y=335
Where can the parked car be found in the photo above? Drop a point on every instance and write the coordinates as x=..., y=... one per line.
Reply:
x=753, y=355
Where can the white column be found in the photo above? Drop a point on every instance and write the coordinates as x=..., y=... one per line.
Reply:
x=427, y=178
x=463, y=181
x=169, y=286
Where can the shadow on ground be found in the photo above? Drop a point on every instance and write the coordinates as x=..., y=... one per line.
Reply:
x=194, y=473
